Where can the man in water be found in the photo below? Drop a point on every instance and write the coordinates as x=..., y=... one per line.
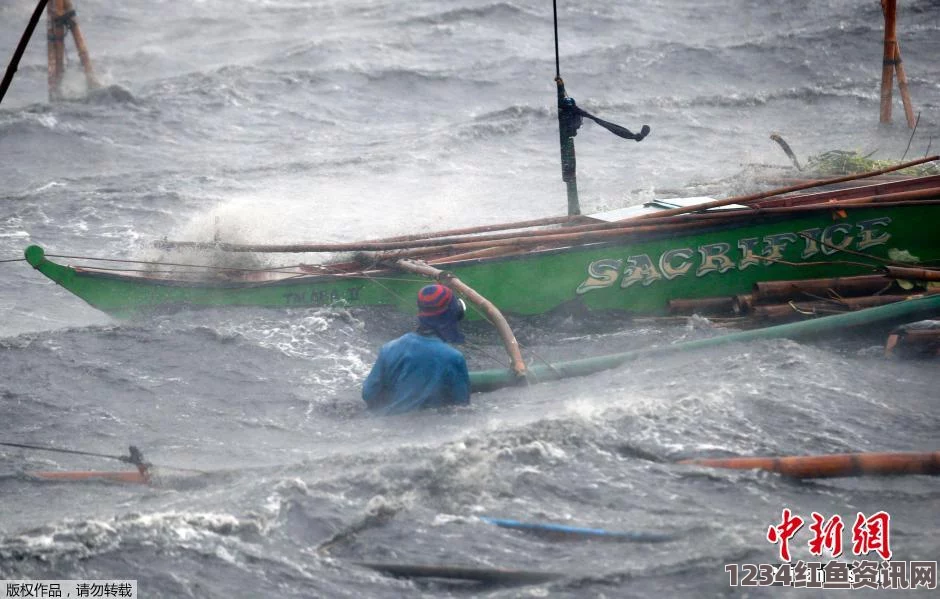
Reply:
x=420, y=370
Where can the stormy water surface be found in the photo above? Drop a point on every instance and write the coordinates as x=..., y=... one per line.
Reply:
x=287, y=120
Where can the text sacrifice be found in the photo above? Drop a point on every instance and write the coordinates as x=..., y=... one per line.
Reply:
x=720, y=257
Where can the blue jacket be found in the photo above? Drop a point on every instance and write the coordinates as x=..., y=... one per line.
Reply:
x=415, y=372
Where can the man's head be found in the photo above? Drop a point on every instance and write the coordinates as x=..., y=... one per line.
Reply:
x=439, y=311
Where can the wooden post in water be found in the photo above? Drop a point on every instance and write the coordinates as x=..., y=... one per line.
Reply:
x=890, y=48
x=902, y=76
x=59, y=43
x=61, y=15
x=51, y=36
x=90, y=78
x=891, y=63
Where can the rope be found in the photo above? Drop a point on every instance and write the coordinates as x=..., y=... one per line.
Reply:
x=276, y=270
x=916, y=122
x=555, y=19
x=207, y=266
x=874, y=267
x=13, y=260
x=134, y=457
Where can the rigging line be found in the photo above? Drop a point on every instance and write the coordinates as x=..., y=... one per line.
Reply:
x=546, y=362
x=555, y=19
x=173, y=271
x=479, y=349
x=293, y=274
x=120, y=458
x=916, y=122
x=873, y=267
x=13, y=260
x=208, y=266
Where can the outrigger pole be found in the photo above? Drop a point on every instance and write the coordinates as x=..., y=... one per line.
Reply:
x=570, y=118
x=134, y=457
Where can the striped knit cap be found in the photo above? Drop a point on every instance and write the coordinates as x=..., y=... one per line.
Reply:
x=434, y=300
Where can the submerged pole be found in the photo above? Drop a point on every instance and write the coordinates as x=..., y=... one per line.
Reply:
x=890, y=58
x=53, y=77
x=902, y=77
x=59, y=46
x=912, y=309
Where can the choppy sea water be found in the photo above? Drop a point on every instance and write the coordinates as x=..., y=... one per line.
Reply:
x=285, y=120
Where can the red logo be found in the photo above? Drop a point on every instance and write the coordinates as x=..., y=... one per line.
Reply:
x=871, y=534
x=783, y=532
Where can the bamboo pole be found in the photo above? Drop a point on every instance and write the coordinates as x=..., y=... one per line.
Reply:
x=118, y=477
x=489, y=310
x=83, y=55
x=817, y=308
x=53, y=77
x=560, y=239
x=525, y=224
x=775, y=192
x=579, y=234
x=835, y=465
x=914, y=274
x=902, y=86
x=880, y=186
x=786, y=290
x=890, y=56
x=59, y=43
x=573, y=239
x=664, y=217
x=902, y=78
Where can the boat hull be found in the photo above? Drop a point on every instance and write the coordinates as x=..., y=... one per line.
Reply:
x=638, y=273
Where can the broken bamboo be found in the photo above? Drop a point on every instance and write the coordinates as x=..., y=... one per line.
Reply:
x=915, y=274
x=793, y=310
x=491, y=312
x=842, y=286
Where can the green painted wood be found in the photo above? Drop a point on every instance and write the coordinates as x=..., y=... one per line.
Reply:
x=603, y=276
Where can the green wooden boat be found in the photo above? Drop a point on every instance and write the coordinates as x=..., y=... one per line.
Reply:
x=627, y=265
